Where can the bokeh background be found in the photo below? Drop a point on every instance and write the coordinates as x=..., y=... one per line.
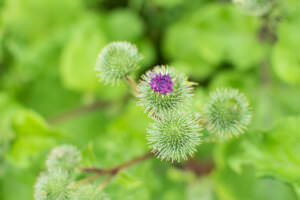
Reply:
x=49, y=93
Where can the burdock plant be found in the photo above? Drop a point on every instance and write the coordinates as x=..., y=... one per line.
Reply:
x=166, y=94
x=174, y=134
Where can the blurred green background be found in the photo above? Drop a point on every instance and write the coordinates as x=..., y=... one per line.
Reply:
x=49, y=94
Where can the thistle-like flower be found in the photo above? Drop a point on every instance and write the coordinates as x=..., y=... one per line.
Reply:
x=174, y=137
x=255, y=7
x=163, y=90
x=65, y=157
x=227, y=113
x=162, y=84
x=53, y=186
x=116, y=61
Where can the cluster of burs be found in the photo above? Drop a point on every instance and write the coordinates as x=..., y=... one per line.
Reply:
x=167, y=96
x=58, y=182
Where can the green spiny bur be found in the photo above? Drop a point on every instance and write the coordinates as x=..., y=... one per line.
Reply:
x=227, y=113
x=53, y=186
x=65, y=157
x=174, y=137
x=116, y=61
x=88, y=192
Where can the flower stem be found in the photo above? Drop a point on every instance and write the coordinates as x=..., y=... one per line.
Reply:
x=131, y=83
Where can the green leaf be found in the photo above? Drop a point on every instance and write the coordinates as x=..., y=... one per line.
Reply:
x=33, y=137
x=231, y=185
x=234, y=186
x=285, y=59
x=127, y=180
x=88, y=155
x=49, y=17
x=118, y=19
x=201, y=189
x=211, y=35
x=178, y=175
x=273, y=152
x=8, y=107
x=80, y=54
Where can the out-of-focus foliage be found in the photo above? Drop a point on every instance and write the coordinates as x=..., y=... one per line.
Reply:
x=285, y=59
x=210, y=35
x=267, y=151
x=50, y=95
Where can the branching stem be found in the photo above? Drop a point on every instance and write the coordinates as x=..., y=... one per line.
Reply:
x=105, y=182
x=111, y=171
x=64, y=116
x=119, y=167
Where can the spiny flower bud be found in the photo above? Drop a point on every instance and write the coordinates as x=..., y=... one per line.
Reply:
x=163, y=89
x=117, y=60
x=65, y=157
x=255, y=7
x=88, y=192
x=53, y=186
x=174, y=137
x=227, y=112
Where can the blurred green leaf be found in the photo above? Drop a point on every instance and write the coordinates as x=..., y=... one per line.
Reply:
x=88, y=155
x=127, y=180
x=118, y=19
x=201, y=189
x=179, y=175
x=8, y=107
x=285, y=59
x=79, y=56
x=267, y=151
x=212, y=34
x=33, y=137
x=231, y=185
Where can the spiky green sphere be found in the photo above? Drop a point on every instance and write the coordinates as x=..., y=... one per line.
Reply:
x=88, y=192
x=174, y=137
x=227, y=113
x=255, y=7
x=116, y=61
x=53, y=186
x=162, y=89
x=65, y=157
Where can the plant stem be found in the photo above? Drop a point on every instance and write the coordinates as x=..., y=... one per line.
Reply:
x=83, y=109
x=119, y=167
x=111, y=171
x=105, y=182
x=77, y=112
x=131, y=83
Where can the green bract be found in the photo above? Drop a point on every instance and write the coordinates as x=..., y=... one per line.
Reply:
x=156, y=103
x=65, y=157
x=117, y=60
x=53, y=186
x=227, y=112
x=174, y=137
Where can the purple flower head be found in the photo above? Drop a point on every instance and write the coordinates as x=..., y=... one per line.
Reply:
x=161, y=83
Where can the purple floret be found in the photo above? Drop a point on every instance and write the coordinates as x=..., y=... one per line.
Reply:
x=161, y=83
